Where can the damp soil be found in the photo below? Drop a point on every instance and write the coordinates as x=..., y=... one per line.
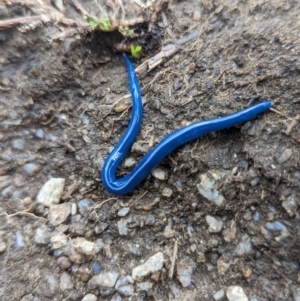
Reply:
x=65, y=105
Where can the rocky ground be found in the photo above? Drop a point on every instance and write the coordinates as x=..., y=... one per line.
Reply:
x=217, y=220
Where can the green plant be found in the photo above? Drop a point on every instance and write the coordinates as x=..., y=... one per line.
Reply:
x=103, y=25
x=136, y=51
x=127, y=32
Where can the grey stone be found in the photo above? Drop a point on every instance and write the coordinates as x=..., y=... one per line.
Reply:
x=31, y=168
x=219, y=295
x=208, y=188
x=152, y=265
x=245, y=246
x=42, y=236
x=124, y=211
x=285, y=156
x=66, y=281
x=215, y=224
x=59, y=213
x=126, y=290
x=104, y=280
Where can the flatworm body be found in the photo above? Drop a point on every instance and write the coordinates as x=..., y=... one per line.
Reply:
x=126, y=184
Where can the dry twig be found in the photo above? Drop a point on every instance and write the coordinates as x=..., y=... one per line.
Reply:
x=292, y=124
x=166, y=52
x=175, y=250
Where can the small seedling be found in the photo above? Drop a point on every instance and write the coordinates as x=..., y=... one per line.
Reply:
x=136, y=51
x=103, y=25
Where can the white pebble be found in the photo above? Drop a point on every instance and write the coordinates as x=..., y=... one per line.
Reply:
x=219, y=295
x=59, y=213
x=208, y=188
x=89, y=297
x=41, y=236
x=104, y=280
x=129, y=162
x=152, y=265
x=245, y=246
x=51, y=192
x=285, y=156
x=20, y=240
x=159, y=173
x=236, y=293
x=58, y=240
x=215, y=224
x=84, y=246
x=167, y=192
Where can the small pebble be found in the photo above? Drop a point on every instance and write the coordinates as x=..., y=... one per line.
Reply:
x=84, y=246
x=84, y=273
x=51, y=192
x=275, y=226
x=18, y=144
x=116, y=297
x=2, y=245
x=63, y=262
x=168, y=232
x=129, y=162
x=124, y=280
x=185, y=272
x=104, y=280
x=245, y=246
x=207, y=188
x=222, y=265
x=236, y=293
x=215, y=224
x=144, y=286
x=58, y=240
x=167, y=192
x=139, y=149
x=59, y=213
x=256, y=216
x=152, y=265
x=66, y=281
x=285, y=156
x=159, y=173
x=219, y=295
x=290, y=205
x=31, y=169
x=229, y=233
x=42, y=236
x=124, y=211
x=39, y=133
x=96, y=268
x=85, y=205
x=89, y=297
x=126, y=290
x=20, y=240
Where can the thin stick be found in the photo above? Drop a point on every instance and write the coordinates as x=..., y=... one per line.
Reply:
x=175, y=250
x=292, y=124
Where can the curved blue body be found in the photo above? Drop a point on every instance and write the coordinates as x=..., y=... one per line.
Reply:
x=126, y=184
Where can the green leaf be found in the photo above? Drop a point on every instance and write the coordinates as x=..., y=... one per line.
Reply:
x=127, y=32
x=105, y=24
x=136, y=51
x=93, y=21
